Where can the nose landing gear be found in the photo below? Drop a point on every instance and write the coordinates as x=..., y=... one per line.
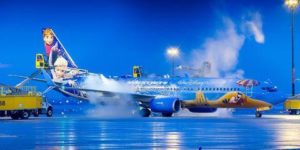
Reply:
x=258, y=114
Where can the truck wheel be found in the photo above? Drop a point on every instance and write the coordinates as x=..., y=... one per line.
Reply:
x=49, y=112
x=292, y=112
x=14, y=115
x=36, y=113
x=145, y=112
x=25, y=114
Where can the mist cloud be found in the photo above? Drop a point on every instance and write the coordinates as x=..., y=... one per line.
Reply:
x=121, y=105
x=223, y=49
x=254, y=25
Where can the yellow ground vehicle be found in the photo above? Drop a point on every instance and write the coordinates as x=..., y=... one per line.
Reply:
x=40, y=61
x=20, y=102
x=293, y=106
x=137, y=71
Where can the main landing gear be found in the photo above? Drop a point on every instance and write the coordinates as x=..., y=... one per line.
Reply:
x=145, y=112
x=167, y=114
x=258, y=114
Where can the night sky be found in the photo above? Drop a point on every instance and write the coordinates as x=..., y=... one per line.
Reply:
x=110, y=37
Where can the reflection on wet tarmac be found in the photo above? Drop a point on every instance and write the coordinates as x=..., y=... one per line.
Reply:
x=239, y=132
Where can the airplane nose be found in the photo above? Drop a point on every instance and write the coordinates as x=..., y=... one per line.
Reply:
x=264, y=106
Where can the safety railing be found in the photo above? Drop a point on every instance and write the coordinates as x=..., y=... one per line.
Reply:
x=24, y=90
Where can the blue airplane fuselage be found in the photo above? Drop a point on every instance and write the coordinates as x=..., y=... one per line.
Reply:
x=213, y=88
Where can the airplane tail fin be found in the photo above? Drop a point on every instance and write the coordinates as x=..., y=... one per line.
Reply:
x=57, y=64
x=55, y=50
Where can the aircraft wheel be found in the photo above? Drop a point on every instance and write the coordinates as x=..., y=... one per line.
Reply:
x=145, y=112
x=24, y=114
x=258, y=114
x=49, y=112
x=167, y=114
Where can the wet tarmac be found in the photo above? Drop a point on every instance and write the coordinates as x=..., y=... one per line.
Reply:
x=79, y=132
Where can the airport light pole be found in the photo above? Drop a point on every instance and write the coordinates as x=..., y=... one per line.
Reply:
x=173, y=52
x=292, y=5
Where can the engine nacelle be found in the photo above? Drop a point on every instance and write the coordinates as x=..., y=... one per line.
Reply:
x=165, y=105
x=202, y=109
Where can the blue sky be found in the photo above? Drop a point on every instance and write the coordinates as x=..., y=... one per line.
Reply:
x=110, y=37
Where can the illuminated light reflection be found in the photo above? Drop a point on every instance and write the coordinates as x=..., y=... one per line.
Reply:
x=173, y=140
x=287, y=136
x=162, y=138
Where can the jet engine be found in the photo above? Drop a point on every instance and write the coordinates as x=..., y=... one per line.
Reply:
x=166, y=106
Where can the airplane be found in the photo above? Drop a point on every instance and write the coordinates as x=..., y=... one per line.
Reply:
x=165, y=95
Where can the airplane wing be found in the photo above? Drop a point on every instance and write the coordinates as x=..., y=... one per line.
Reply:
x=138, y=97
x=53, y=85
